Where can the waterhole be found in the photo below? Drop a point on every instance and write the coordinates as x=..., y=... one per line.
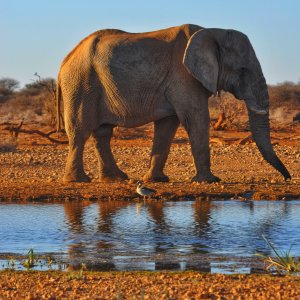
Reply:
x=213, y=236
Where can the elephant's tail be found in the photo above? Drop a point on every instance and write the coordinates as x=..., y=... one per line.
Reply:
x=58, y=106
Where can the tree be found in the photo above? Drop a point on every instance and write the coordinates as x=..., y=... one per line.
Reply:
x=7, y=87
x=44, y=88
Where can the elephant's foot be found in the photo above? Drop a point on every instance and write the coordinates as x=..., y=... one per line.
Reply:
x=208, y=178
x=152, y=177
x=76, y=177
x=116, y=175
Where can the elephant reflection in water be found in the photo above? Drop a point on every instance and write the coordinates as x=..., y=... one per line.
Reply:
x=164, y=224
x=74, y=212
x=202, y=214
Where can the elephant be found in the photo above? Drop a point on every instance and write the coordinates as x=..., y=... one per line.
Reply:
x=116, y=78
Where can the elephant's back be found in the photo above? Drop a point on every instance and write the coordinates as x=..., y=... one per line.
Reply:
x=172, y=33
x=165, y=34
x=91, y=41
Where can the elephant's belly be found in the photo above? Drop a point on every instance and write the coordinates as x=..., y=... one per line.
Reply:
x=139, y=117
x=129, y=123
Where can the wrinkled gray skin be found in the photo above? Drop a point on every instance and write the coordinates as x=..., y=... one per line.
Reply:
x=114, y=78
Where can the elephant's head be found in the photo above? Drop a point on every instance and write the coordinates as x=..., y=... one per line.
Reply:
x=225, y=60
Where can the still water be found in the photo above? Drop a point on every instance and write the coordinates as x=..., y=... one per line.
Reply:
x=209, y=235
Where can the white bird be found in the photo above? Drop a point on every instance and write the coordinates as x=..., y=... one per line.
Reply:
x=144, y=191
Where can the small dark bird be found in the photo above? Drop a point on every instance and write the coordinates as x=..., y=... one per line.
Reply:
x=144, y=191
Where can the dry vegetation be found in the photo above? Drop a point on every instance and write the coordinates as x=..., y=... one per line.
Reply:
x=34, y=103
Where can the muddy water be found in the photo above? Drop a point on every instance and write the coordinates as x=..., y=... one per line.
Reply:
x=217, y=236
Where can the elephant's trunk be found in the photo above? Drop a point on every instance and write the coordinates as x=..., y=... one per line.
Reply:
x=260, y=127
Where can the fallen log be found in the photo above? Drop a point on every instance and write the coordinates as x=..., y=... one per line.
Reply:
x=217, y=141
x=220, y=123
x=244, y=140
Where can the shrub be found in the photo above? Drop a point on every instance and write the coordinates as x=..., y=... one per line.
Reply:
x=284, y=101
x=233, y=110
x=7, y=88
x=34, y=102
x=285, y=94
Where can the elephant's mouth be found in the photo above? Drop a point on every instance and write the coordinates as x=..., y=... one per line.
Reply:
x=257, y=109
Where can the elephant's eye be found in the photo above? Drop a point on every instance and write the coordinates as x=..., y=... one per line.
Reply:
x=243, y=70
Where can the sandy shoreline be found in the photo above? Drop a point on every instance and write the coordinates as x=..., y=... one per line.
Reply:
x=145, y=285
x=49, y=193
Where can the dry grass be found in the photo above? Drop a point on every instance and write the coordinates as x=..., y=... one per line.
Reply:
x=283, y=263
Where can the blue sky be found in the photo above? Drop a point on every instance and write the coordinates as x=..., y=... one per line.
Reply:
x=37, y=34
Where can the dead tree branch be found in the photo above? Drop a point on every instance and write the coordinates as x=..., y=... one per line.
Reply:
x=16, y=130
x=220, y=124
x=51, y=90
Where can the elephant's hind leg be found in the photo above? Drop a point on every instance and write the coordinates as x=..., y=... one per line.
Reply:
x=74, y=171
x=164, y=131
x=109, y=171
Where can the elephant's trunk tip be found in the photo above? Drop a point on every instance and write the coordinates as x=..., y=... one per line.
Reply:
x=274, y=161
x=260, y=127
x=287, y=176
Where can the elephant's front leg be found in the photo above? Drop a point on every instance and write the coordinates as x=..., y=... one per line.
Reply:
x=197, y=126
x=164, y=131
x=108, y=168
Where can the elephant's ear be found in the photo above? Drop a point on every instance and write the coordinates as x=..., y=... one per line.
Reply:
x=201, y=59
